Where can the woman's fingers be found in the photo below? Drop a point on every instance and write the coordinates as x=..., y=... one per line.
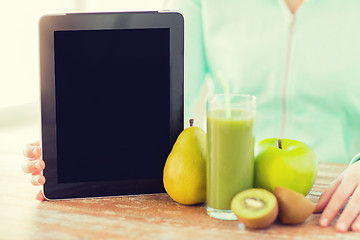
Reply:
x=37, y=179
x=327, y=194
x=33, y=166
x=40, y=196
x=338, y=199
x=356, y=225
x=32, y=150
x=350, y=213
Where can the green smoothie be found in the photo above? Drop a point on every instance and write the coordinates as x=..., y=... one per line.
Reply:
x=230, y=156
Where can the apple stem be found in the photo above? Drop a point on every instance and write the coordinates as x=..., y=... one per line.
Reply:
x=191, y=121
x=280, y=143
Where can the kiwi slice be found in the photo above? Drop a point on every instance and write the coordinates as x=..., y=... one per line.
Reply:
x=294, y=208
x=255, y=208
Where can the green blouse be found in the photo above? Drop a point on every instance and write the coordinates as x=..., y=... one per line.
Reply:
x=304, y=68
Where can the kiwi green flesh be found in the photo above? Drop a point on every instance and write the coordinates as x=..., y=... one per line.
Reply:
x=253, y=203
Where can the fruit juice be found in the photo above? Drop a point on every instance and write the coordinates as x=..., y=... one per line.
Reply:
x=230, y=161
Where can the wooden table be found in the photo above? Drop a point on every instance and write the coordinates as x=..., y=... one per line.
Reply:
x=134, y=217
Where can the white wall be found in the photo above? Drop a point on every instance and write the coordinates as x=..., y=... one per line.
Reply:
x=19, y=50
x=19, y=60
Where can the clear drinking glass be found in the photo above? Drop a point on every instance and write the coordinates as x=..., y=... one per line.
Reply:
x=230, y=163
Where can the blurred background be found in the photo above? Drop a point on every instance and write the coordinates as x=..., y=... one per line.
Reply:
x=19, y=61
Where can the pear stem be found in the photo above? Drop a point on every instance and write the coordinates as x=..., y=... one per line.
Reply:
x=280, y=143
x=191, y=121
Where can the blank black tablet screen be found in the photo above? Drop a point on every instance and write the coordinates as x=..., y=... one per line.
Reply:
x=112, y=104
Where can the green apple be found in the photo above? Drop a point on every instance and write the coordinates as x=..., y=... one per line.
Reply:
x=286, y=163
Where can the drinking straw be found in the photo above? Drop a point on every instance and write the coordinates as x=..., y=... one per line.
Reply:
x=226, y=87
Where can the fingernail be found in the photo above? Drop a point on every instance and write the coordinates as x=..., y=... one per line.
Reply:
x=342, y=227
x=324, y=222
x=40, y=181
x=36, y=150
x=37, y=165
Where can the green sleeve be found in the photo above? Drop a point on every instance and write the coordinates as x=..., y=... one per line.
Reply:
x=355, y=159
x=195, y=63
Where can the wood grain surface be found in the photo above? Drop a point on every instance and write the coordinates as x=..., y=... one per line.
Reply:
x=134, y=217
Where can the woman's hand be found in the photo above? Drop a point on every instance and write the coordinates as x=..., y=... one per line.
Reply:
x=34, y=165
x=346, y=185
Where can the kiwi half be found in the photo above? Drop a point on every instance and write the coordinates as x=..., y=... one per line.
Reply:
x=255, y=208
x=294, y=208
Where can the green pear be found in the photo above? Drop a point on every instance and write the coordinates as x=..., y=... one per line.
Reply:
x=185, y=168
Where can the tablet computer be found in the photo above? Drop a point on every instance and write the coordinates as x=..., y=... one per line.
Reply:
x=111, y=101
